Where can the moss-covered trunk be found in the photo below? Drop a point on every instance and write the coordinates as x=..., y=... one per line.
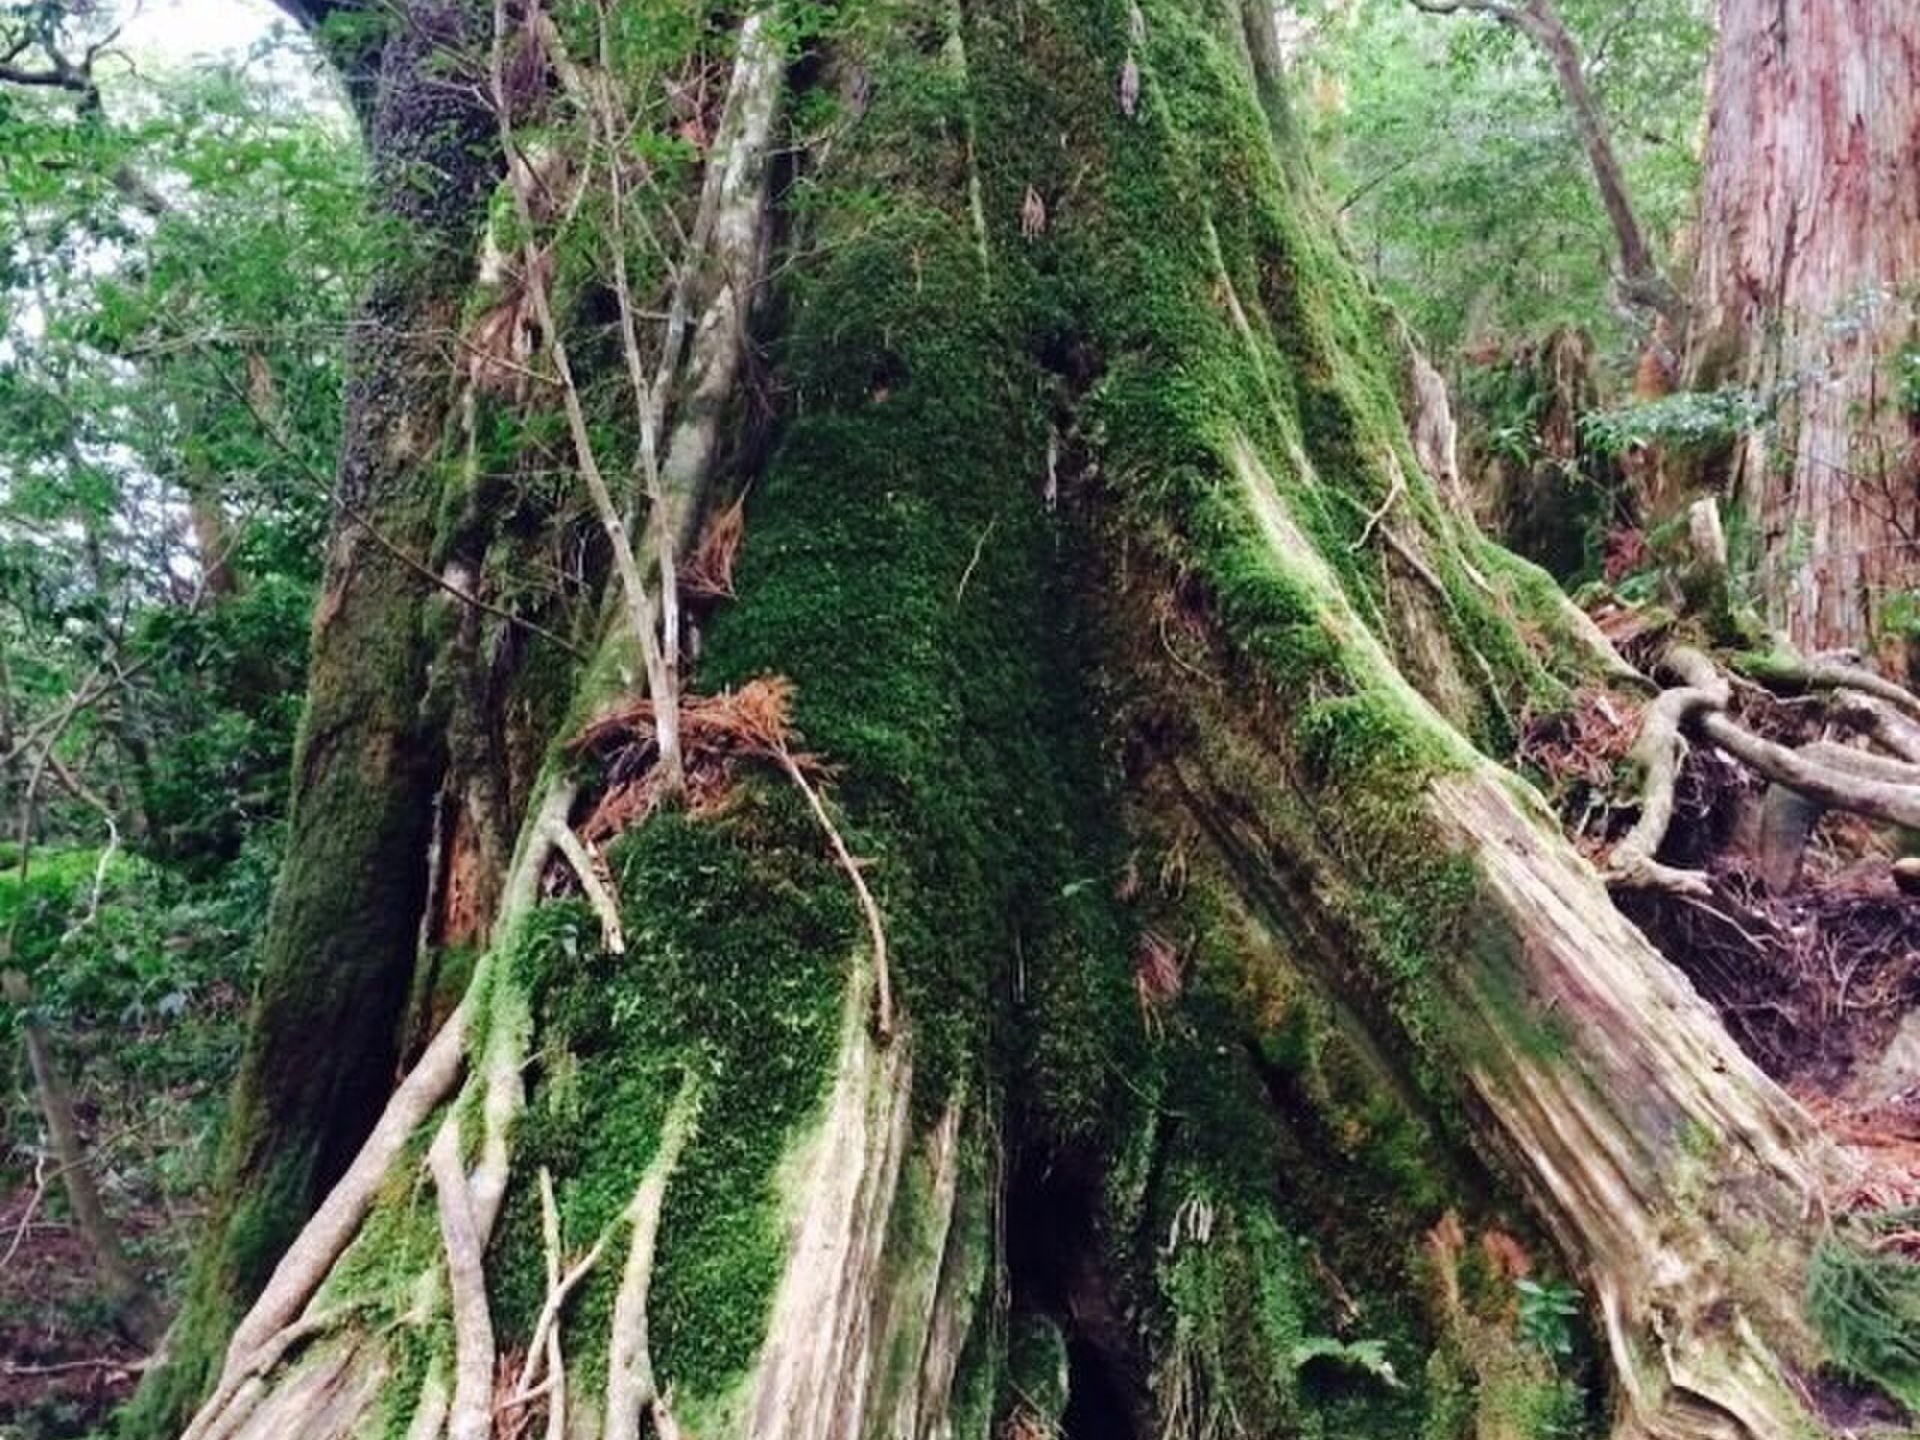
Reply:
x=1266, y=1062
x=342, y=937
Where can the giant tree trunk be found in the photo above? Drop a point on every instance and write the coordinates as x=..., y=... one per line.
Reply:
x=1238, y=986
x=1809, y=241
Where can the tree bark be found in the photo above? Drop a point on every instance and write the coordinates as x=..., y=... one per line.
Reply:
x=1156, y=687
x=1809, y=232
x=342, y=934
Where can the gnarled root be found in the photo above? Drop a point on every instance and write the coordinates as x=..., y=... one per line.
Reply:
x=1658, y=752
x=1830, y=776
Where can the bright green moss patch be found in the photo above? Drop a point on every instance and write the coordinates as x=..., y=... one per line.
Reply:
x=738, y=945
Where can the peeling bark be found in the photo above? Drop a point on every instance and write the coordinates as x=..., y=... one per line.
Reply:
x=1809, y=229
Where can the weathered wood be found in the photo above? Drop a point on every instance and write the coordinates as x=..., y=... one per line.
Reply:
x=1809, y=230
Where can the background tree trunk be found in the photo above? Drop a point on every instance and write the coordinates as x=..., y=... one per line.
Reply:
x=1246, y=1004
x=341, y=941
x=1809, y=241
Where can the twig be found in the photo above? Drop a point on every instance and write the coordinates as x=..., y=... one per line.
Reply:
x=26, y=1216
x=876, y=927
x=639, y=604
x=63, y=1367
x=979, y=549
x=558, y=1292
x=1373, y=520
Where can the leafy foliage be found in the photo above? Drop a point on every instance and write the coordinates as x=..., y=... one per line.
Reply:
x=1866, y=1306
x=179, y=250
x=1548, y=1312
x=1450, y=152
x=1687, y=420
x=1366, y=1357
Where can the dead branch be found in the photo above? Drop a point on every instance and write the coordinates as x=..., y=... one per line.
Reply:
x=639, y=603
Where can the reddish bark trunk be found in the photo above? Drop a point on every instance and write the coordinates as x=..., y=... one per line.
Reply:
x=1810, y=229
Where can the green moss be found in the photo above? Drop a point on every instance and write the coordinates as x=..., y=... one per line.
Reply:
x=1036, y=1373
x=1866, y=1308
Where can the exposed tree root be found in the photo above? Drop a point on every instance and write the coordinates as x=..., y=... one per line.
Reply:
x=338, y=1220
x=544, y=1358
x=1877, y=799
x=632, y=1388
x=471, y=1414
x=1831, y=776
x=1658, y=751
x=1884, y=725
x=1782, y=670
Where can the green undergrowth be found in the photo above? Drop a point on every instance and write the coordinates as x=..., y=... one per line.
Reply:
x=1865, y=1305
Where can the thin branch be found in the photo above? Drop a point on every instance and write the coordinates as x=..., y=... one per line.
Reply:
x=876, y=927
x=639, y=604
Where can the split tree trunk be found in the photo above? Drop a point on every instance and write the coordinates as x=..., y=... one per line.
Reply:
x=1239, y=986
x=1809, y=242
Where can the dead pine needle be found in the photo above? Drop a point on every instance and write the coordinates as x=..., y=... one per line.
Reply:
x=717, y=734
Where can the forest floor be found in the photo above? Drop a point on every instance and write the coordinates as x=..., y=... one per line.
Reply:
x=148, y=1091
